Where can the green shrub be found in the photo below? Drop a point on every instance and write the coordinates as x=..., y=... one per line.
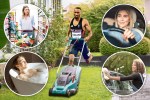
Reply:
x=142, y=48
x=106, y=48
x=147, y=34
x=94, y=16
x=93, y=43
x=51, y=47
x=3, y=60
x=125, y=62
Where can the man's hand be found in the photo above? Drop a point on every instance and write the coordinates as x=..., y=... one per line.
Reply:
x=67, y=39
x=86, y=39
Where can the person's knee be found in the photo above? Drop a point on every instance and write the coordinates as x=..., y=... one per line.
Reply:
x=71, y=57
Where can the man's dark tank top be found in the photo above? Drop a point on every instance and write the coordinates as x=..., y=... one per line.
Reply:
x=77, y=31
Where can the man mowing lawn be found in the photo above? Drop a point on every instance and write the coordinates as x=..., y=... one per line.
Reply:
x=78, y=27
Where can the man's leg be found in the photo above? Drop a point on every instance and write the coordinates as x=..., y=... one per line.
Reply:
x=71, y=59
x=90, y=58
x=72, y=54
x=86, y=54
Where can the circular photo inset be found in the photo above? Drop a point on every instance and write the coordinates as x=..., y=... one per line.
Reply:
x=123, y=26
x=123, y=73
x=26, y=74
x=26, y=25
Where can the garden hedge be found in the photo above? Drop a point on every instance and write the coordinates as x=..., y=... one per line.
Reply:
x=142, y=48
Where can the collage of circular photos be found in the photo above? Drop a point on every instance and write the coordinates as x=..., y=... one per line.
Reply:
x=123, y=73
x=26, y=25
x=26, y=73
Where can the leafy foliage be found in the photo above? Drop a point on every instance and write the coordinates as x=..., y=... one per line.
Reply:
x=50, y=49
x=147, y=34
x=121, y=62
x=140, y=49
x=94, y=16
x=106, y=48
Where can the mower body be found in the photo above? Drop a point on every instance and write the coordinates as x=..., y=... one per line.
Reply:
x=67, y=81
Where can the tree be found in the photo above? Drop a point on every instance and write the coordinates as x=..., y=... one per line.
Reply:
x=121, y=62
x=51, y=47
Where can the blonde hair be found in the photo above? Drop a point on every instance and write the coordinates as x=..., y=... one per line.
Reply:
x=132, y=16
x=139, y=65
x=23, y=14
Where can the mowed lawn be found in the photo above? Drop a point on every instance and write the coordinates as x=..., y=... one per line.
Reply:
x=90, y=88
x=148, y=70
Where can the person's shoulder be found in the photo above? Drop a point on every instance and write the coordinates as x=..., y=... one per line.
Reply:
x=136, y=30
x=135, y=75
x=84, y=20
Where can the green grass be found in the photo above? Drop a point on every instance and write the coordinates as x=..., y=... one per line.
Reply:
x=148, y=70
x=96, y=54
x=91, y=87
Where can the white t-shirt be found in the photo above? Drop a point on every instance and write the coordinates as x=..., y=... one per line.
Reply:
x=27, y=23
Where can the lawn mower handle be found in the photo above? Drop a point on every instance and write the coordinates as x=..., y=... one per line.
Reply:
x=80, y=39
x=65, y=52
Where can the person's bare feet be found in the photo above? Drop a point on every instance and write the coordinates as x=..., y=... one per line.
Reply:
x=90, y=58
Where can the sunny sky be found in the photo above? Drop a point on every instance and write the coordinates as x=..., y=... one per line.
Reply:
x=65, y=3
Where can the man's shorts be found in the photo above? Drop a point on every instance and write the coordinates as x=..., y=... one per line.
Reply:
x=77, y=46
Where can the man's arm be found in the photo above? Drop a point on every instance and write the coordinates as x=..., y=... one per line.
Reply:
x=68, y=33
x=88, y=27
